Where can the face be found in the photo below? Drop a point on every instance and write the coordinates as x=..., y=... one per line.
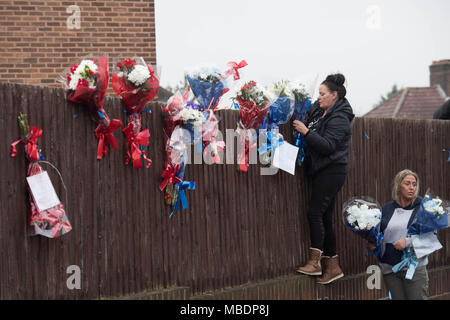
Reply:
x=327, y=98
x=408, y=187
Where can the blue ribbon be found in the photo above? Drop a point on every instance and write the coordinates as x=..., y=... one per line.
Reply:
x=410, y=260
x=100, y=115
x=182, y=186
x=366, y=136
x=444, y=150
x=377, y=251
x=272, y=143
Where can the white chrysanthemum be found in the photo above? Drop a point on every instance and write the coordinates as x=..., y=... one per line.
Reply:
x=139, y=75
x=362, y=217
x=76, y=76
x=92, y=66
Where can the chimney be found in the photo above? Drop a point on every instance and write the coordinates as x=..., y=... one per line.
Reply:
x=440, y=75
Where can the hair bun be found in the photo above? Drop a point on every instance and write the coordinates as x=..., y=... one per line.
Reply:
x=338, y=79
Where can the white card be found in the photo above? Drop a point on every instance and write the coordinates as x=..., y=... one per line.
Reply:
x=42, y=190
x=285, y=157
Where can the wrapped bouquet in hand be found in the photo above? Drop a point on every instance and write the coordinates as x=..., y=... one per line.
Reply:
x=136, y=83
x=87, y=84
x=432, y=216
x=302, y=102
x=47, y=215
x=363, y=216
x=254, y=103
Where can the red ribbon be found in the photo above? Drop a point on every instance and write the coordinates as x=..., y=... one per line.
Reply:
x=134, y=142
x=57, y=228
x=243, y=164
x=234, y=68
x=31, y=146
x=169, y=175
x=103, y=134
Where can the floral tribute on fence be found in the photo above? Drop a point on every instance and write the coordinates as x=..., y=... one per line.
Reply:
x=208, y=84
x=182, y=128
x=136, y=83
x=87, y=84
x=47, y=215
x=254, y=103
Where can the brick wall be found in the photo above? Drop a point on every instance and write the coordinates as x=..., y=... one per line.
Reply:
x=440, y=74
x=36, y=43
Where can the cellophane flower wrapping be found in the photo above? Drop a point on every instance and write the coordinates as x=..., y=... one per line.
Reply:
x=182, y=128
x=432, y=215
x=52, y=222
x=87, y=84
x=209, y=83
x=254, y=103
x=136, y=83
x=302, y=103
x=280, y=112
x=362, y=215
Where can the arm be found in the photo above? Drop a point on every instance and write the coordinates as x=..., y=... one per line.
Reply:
x=337, y=128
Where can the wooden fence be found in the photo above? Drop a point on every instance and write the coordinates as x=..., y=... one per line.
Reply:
x=239, y=228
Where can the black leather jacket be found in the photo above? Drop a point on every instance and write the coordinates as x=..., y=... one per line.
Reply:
x=328, y=138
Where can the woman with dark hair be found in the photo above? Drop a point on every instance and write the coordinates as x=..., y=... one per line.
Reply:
x=326, y=132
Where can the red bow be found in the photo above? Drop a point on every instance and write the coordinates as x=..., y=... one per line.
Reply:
x=31, y=142
x=134, y=142
x=103, y=134
x=57, y=228
x=234, y=68
x=169, y=175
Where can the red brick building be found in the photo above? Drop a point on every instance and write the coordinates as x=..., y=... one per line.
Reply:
x=39, y=39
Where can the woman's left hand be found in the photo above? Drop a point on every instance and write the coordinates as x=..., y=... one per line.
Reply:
x=400, y=244
x=300, y=127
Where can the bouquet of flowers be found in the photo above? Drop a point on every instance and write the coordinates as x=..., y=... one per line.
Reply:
x=87, y=84
x=136, y=83
x=209, y=84
x=431, y=216
x=48, y=220
x=182, y=127
x=254, y=103
x=280, y=112
x=301, y=106
x=363, y=216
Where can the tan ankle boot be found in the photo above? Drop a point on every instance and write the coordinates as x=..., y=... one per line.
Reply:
x=331, y=272
x=312, y=267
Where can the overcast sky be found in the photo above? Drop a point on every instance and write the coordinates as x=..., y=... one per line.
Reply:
x=375, y=44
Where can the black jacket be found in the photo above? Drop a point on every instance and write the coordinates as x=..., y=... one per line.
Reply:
x=391, y=255
x=328, y=138
x=443, y=112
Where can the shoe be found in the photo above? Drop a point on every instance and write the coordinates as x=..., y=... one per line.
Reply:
x=313, y=266
x=332, y=271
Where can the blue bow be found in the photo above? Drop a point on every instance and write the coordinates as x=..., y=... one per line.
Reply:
x=185, y=185
x=409, y=259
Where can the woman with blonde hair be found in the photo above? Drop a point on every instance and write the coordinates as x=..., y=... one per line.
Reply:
x=396, y=218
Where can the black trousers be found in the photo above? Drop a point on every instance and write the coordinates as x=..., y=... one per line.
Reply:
x=325, y=186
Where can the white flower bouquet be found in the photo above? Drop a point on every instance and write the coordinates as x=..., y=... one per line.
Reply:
x=363, y=216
